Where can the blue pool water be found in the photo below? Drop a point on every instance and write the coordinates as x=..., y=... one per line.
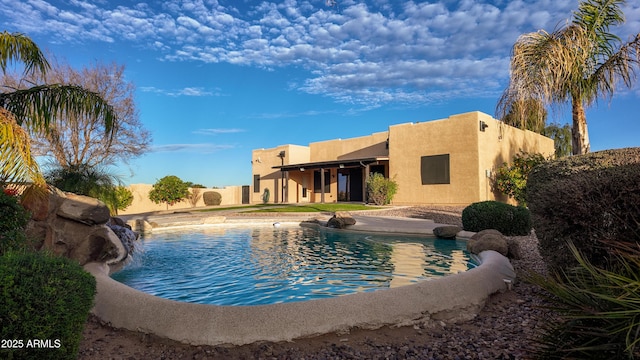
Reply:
x=265, y=265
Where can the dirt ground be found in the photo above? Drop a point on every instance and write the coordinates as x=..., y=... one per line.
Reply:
x=101, y=341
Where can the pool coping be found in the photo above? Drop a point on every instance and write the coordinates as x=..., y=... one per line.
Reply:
x=450, y=298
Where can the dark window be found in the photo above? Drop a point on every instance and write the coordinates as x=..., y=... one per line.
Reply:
x=317, y=181
x=256, y=183
x=435, y=169
x=377, y=169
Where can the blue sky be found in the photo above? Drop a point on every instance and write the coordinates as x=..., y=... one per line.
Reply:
x=216, y=79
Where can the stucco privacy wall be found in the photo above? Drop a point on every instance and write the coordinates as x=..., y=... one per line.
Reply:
x=231, y=195
x=452, y=297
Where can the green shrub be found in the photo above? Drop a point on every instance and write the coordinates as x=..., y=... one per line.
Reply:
x=13, y=220
x=46, y=298
x=585, y=199
x=598, y=312
x=212, y=198
x=380, y=190
x=508, y=219
x=511, y=179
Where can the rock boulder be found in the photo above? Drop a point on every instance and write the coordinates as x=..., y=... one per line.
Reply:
x=488, y=240
x=447, y=232
x=78, y=227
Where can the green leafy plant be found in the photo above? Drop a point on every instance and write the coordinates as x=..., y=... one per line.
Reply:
x=511, y=179
x=92, y=181
x=508, y=219
x=169, y=190
x=123, y=198
x=13, y=220
x=598, y=309
x=43, y=297
x=380, y=190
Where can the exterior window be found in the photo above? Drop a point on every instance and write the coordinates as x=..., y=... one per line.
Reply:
x=435, y=169
x=256, y=183
x=316, y=182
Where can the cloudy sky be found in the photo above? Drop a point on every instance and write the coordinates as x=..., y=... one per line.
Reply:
x=216, y=79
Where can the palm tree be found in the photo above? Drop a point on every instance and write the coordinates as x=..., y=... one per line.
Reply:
x=578, y=63
x=33, y=109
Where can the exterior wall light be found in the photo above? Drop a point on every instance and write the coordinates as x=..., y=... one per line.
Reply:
x=483, y=125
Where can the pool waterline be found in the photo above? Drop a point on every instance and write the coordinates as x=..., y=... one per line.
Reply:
x=262, y=264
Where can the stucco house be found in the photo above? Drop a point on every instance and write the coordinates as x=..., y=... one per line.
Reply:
x=448, y=161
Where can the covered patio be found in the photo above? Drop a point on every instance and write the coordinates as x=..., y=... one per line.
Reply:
x=343, y=179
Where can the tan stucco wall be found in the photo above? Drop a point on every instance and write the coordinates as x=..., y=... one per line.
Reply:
x=500, y=144
x=231, y=195
x=474, y=156
x=457, y=136
x=342, y=149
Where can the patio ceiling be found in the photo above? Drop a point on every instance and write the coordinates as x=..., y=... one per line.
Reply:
x=332, y=164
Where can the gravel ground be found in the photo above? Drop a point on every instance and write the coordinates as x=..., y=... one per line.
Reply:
x=504, y=329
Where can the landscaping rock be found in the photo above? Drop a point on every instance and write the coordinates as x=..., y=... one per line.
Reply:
x=446, y=232
x=78, y=227
x=340, y=222
x=488, y=240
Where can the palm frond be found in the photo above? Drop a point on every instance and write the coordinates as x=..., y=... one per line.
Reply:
x=40, y=105
x=19, y=47
x=17, y=163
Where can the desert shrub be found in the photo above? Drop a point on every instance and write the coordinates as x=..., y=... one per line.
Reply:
x=585, y=199
x=43, y=297
x=380, y=190
x=598, y=316
x=508, y=219
x=511, y=179
x=13, y=220
x=212, y=198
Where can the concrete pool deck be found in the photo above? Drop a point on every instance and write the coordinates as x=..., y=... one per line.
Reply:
x=450, y=298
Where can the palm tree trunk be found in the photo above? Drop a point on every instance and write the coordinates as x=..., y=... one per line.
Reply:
x=579, y=132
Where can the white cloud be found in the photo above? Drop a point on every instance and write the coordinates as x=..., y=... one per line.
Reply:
x=187, y=91
x=374, y=52
x=218, y=131
x=202, y=148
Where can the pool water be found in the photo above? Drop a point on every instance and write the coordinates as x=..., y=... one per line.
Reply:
x=256, y=265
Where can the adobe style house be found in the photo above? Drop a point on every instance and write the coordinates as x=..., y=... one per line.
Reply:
x=449, y=162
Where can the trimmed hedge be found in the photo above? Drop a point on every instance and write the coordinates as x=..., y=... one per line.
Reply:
x=586, y=199
x=44, y=298
x=508, y=219
x=212, y=198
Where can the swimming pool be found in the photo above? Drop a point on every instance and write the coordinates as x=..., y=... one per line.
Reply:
x=262, y=264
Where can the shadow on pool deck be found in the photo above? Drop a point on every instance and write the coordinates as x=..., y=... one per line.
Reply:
x=450, y=298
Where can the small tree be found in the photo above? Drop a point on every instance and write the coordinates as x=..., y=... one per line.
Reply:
x=170, y=190
x=511, y=179
x=194, y=196
x=123, y=198
x=380, y=190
